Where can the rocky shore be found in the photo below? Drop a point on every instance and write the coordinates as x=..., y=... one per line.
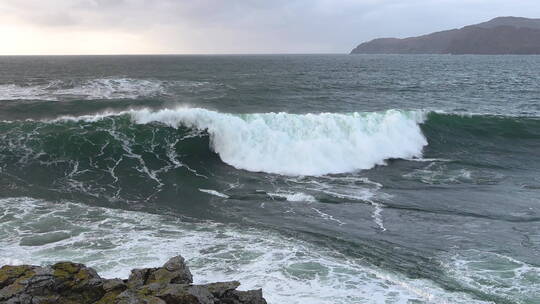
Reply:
x=72, y=283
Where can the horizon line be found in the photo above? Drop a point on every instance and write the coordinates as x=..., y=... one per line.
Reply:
x=173, y=54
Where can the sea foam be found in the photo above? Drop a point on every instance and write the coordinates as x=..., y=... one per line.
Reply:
x=289, y=270
x=301, y=144
x=90, y=89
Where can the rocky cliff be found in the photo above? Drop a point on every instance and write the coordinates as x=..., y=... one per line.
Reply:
x=71, y=283
x=503, y=35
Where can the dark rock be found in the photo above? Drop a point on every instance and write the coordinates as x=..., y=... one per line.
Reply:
x=188, y=294
x=9, y=274
x=61, y=283
x=71, y=283
x=138, y=277
x=177, y=266
x=132, y=297
x=220, y=289
x=114, y=284
x=175, y=271
x=243, y=297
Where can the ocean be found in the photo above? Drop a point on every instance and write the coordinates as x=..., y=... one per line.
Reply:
x=319, y=178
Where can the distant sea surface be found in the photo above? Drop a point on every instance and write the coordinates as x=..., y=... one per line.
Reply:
x=319, y=178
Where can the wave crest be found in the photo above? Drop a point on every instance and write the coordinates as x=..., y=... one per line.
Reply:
x=295, y=144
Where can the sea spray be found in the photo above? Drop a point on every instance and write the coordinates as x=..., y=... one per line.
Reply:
x=295, y=144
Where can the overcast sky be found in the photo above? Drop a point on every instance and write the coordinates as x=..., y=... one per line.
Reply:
x=231, y=26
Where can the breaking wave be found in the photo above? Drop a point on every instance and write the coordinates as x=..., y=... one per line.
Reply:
x=293, y=144
x=108, y=153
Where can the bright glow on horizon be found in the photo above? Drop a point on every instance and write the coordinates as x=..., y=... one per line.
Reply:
x=27, y=40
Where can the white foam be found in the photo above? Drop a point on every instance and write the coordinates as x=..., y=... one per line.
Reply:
x=349, y=188
x=294, y=196
x=495, y=274
x=288, y=269
x=15, y=92
x=440, y=173
x=293, y=144
x=429, y=160
x=114, y=88
x=327, y=216
x=214, y=192
x=377, y=214
x=91, y=89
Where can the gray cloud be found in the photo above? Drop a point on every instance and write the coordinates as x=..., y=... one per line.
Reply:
x=262, y=26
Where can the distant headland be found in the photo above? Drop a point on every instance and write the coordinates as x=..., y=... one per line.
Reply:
x=502, y=35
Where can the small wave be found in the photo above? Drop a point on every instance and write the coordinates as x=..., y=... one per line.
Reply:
x=93, y=89
x=439, y=173
x=294, y=196
x=214, y=192
x=16, y=92
x=429, y=160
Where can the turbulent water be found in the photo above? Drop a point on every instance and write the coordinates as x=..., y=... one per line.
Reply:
x=321, y=179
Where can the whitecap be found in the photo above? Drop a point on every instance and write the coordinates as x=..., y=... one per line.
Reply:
x=214, y=193
x=296, y=144
x=294, y=196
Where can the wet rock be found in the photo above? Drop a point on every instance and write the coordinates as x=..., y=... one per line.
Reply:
x=177, y=266
x=72, y=283
x=133, y=297
x=138, y=277
x=189, y=294
x=114, y=284
x=243, y=297
x=220, y=289
x=60, y=283
x=175, y=271
x=247, y=297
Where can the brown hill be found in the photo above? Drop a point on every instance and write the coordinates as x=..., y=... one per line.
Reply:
x=503, y=35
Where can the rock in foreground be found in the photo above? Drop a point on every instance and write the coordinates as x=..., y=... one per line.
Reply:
x=71, y=283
